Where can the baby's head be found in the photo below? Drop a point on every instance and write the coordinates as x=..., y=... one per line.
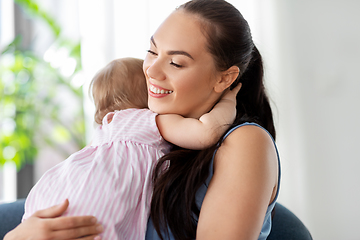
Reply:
x=119, y=85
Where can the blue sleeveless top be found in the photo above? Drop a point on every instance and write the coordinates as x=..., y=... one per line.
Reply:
x=151, y=233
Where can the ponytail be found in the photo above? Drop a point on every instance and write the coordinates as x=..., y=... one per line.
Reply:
x=252, y=102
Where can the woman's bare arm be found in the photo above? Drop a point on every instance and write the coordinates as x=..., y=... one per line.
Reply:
x=243, y=185
x=47, y=224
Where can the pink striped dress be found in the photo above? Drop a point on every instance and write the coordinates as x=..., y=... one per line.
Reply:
x=111, y=179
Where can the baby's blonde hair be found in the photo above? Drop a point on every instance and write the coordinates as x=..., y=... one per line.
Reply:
x=119, y=85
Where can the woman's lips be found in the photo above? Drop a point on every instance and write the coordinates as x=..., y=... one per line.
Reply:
x=156, y=91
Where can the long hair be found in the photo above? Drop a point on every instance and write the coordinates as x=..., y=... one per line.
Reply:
x=229, y=41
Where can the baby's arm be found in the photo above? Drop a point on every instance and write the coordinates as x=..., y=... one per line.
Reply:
x=200, y=133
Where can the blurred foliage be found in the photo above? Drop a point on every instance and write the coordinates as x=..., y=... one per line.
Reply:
x=33, y=92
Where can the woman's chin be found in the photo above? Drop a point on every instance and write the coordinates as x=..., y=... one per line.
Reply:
x=157, y=109
x=162, y=110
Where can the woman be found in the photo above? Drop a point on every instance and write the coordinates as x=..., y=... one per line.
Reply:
x=227, y=191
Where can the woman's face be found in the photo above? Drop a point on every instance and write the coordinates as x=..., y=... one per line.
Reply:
x=179, y=70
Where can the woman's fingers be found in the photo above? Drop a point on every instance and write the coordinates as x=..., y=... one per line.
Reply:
x=62, y=228
x=91, y=232
x=54, y=211
x=92, y=237
x=72, y=222
x=71, y=227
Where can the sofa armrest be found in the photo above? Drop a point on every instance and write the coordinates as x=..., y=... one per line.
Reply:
x=10, y=216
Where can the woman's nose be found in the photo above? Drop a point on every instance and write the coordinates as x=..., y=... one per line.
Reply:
x=155, y=70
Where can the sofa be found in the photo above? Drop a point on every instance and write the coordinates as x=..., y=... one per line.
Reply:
x=286, y=226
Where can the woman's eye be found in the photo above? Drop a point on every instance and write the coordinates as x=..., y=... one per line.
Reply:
x=176, y=65
x=151, y=52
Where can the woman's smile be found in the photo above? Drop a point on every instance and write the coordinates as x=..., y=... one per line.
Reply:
x=157, y=91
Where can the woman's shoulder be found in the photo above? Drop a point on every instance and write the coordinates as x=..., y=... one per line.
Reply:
x=249, y=147
x=248, y=137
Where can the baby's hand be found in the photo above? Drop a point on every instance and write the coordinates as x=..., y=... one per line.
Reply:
x=231, y=94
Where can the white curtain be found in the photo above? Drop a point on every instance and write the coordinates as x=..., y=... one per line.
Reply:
x=8, y=170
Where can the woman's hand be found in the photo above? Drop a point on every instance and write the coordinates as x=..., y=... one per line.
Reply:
x=48, y=225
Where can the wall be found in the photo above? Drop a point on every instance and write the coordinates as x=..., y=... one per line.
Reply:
x=318, y=105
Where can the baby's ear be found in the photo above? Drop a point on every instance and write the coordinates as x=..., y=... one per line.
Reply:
x=227, y=78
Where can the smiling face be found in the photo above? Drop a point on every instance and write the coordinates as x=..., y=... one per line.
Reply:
x=179, y=70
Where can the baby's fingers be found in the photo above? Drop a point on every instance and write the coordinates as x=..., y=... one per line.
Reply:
x=231, y=94
x=237, y=88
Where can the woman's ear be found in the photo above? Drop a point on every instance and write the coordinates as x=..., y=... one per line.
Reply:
x=226, y=79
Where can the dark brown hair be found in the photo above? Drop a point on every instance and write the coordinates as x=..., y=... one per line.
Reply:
x=230, y=42
x=119, y=85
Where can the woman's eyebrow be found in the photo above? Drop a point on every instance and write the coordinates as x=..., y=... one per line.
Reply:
x=173, y=52
x=180, y=53
x=152, y=40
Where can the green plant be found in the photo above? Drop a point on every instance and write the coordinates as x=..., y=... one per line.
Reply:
x=32, y=91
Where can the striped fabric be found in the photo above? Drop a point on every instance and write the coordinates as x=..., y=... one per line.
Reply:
x=111, y=179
